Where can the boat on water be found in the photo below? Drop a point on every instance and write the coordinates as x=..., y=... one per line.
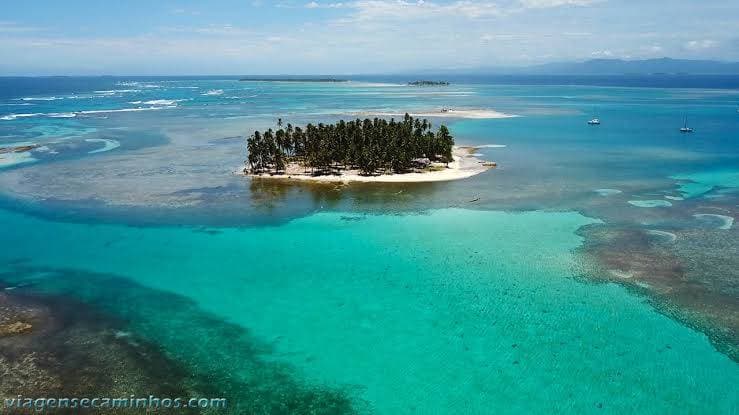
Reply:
x=685, y=128
x=594, y=121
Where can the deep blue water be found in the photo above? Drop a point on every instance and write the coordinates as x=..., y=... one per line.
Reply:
x=24, y=86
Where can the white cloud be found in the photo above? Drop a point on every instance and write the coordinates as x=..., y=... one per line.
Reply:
x=12, y=27
x=700, y=44
x=500, y=37
x=316, y=5
x=378, y=10
x=366, y=35
x=366, y=10
x=185, y=11
x=602, y=54
x=652, y=50
x=546, y=4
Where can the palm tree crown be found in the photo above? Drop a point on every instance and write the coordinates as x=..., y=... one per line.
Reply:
x=368, y=145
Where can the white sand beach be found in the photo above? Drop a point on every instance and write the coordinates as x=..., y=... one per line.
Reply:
x=449, y=113
x=464, y=165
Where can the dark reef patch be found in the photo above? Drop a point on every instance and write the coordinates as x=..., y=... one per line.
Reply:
x=67, y=349
x=693, y=284
x=104, y=335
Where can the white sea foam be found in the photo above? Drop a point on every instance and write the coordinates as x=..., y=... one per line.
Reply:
x=40, y=98
x=466, y=113
x=650, y=203
x=246, y=97
x=159, y=102
x=45, y=149
x=625, y=275
x=15, y=158
x=726, y=221
x=663, y=235
x=607, y=192
x=126, y=110
x=11, y=117
x=52, y=98
x=108, y=144
x=213, y=92
x=117, y=90
x=112, y=92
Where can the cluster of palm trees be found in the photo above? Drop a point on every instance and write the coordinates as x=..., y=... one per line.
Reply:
x=366, y=145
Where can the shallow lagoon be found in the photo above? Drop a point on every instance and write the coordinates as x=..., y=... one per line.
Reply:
x=429, y=298
x=455, y=311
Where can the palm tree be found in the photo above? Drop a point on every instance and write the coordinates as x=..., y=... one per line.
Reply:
x=445, y=143
x=368, y=145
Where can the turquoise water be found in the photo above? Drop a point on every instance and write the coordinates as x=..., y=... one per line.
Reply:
x=174, y=145
x=454, y=311
x=467, y=297
x=700, y=183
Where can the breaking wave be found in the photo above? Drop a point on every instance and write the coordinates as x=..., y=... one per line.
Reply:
x=11, y=117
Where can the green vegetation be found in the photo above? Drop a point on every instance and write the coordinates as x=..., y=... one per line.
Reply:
x=428, y=83
x=369, y=146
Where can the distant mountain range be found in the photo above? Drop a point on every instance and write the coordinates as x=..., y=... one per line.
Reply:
x=646, y=66
x=614, y=67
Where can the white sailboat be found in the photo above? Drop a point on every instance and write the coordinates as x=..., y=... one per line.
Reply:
x=595, y=120
x=685, y=128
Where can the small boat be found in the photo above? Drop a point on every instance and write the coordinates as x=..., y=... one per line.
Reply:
x=685, y=128
x=594, y=121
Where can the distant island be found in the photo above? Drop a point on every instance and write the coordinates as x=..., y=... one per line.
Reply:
x=661, y=66
x=294, y=80
x=360, y=150
x=428, y=83
x=658, y=66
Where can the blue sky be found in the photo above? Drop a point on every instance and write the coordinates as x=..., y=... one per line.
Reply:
x=368, y=36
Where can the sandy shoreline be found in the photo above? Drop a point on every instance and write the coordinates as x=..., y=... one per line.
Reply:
x=451, y=113
x=464, y=165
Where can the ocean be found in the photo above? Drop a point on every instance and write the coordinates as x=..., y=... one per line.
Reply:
x=593, y=271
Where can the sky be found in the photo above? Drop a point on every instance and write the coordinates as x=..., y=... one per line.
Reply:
x=167, y=37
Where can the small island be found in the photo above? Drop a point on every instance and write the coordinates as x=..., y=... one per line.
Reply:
x=370, y=150
x=428, y=83
x=293, y=80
